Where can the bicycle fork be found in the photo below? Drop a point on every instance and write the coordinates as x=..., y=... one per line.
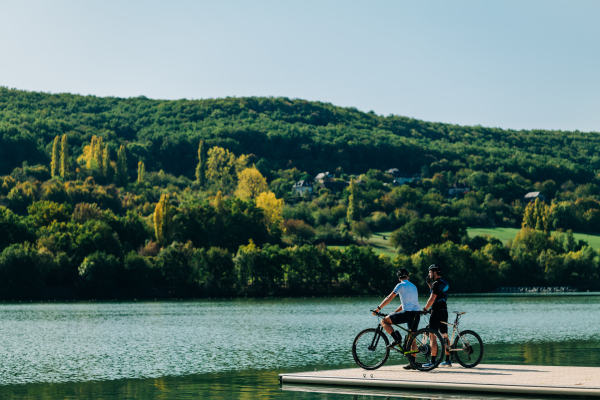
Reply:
x=375, y=340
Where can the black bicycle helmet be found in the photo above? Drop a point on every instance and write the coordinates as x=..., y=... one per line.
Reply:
x=402, y=273
x=435, y=268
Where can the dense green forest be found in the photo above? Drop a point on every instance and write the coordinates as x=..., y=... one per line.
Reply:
x=110, y=197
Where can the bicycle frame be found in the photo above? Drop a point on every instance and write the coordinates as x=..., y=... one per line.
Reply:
x=456, y=332
x=402, y=350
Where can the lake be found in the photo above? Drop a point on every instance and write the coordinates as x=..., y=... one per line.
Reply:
x=234, y=348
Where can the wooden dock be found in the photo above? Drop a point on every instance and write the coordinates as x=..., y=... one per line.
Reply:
x=491, y=378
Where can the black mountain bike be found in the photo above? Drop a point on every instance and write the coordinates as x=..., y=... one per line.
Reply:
x=370, y=348
x=467, y=346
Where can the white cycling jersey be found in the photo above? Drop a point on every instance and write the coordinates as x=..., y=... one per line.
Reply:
x=409, y=296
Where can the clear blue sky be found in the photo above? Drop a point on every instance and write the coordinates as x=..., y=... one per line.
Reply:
x=511, y=64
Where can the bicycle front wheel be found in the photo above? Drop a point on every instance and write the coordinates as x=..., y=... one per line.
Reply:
x=370, y=349
x=426, y=342
x=467, y=349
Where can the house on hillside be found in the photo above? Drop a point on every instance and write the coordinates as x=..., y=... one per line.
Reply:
x=324, y=177
x=334, y=186
x=400, y=177
x=458, y=189
x=532, y=196
x=301, y=187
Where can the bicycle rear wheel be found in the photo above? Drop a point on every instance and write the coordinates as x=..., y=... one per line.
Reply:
x=425, y=340
x=370, y=349
x=470, y=349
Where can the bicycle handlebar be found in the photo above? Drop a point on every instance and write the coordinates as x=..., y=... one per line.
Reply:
x=379, y=314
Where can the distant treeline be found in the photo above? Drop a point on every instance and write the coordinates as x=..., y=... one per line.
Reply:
x=283, y=133
x=107, y=197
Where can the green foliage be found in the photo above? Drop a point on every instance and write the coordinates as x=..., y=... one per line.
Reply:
x=163, y=219
x=43, y=213
x=21, y=269
x=141, y=172
x=353, y=209
x=423, y=232
x=100, y=273
x=361, y=230
x=122, y=177
x=64, y=158
x=13, y=228
x=298, y=231
x=55, y=163
x=213, y=141
x=201, y=168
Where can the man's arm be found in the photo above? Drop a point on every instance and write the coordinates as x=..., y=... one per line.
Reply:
x=434, y=291
x=385, y=301
x=430, y=301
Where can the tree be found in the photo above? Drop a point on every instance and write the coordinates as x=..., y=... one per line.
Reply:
x=538, y=216
x=361, y=229
x=107, y=170
x=121, y=177
x=201, y=168
x=141, y=172
x=64, y=158
x=272, y=208
x=55, y=163
x=98, y=154
x=250, y=184
x=298, y=231
x=221, y=165
x=162, y=219
x=353, y=213
x=423, y=232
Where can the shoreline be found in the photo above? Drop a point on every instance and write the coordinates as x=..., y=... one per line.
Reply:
x=542, y=294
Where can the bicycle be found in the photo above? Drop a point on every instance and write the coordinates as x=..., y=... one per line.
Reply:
x=369, y=353
x=467, y=348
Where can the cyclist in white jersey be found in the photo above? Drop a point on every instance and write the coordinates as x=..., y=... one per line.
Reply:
x=409, y=311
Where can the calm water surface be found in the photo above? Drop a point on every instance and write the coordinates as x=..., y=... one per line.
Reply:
x=226, y=349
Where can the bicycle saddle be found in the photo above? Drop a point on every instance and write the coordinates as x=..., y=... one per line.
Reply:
x=459, y=312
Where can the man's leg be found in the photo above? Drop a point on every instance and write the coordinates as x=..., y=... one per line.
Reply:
x=387, y=325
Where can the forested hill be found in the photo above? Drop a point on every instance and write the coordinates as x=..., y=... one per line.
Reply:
x=282, y=133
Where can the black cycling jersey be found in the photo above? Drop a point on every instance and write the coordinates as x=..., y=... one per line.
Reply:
x=440, y=289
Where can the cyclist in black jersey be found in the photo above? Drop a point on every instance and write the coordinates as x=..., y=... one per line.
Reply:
x=439, y=310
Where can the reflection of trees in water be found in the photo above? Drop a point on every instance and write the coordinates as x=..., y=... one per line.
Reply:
x=571, y=353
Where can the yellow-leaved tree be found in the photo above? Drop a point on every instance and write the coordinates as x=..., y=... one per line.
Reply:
x=272, y=208
x=55, y=163
x=162, y=219
x=251, y=183
x=221, y=165
x=538, y=215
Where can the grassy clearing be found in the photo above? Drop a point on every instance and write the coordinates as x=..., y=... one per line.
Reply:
x=504, y=234
x=383, y=246
x=378, y=243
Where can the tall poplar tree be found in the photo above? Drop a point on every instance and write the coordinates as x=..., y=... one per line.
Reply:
x=98, y=154
x=141, y=172
x=121, y=177
x=55, y=164
x=201, y=168
x=107, y=170
x=64, y=158
x=353, y=211
x=162, y=219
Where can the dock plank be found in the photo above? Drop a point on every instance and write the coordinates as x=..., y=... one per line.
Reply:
x=523, y=379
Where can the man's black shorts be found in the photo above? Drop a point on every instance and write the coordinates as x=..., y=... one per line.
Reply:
x=435, y=322
x=411, y=318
